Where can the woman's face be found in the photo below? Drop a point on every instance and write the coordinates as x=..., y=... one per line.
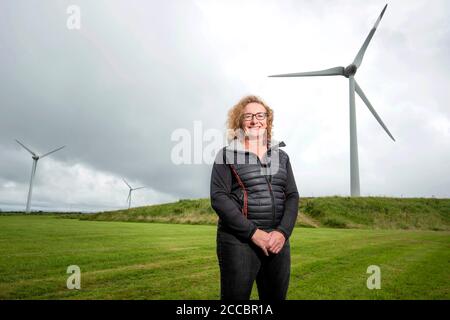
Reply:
x=253, y=126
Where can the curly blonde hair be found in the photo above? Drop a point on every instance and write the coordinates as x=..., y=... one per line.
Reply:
x=235, y=120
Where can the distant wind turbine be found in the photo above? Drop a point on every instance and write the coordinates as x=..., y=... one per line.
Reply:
x=129, y=193
x=349, y=73
x=33, y=170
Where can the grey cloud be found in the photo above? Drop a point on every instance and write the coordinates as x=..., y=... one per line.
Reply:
x=115, y=91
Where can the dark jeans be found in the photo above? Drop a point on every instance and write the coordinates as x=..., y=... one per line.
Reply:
x=241, y=263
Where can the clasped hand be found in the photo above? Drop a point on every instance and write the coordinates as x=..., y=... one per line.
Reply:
x=271, y=242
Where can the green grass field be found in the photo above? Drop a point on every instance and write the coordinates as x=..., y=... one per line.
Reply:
x=130, y=260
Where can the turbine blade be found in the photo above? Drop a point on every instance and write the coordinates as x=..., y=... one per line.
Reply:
x=127, y=183
x=369, y=105
x=34, y=154
x=138, y=188
x=129, y=195
x=51, y=152
x=360, y=55
x=337, y=71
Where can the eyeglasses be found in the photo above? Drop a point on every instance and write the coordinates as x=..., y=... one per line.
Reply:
x=258, y=116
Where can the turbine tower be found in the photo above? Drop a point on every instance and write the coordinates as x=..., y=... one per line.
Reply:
x=33, y=170
x=129, y=193
x=349, y=72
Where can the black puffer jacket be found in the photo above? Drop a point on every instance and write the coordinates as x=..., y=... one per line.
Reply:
x=248, y=193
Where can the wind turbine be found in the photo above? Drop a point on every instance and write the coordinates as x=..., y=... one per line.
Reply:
x=33, y=170
x=349, y=72
x=129, y=193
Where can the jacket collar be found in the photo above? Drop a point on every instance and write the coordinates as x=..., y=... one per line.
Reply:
x=237, y=145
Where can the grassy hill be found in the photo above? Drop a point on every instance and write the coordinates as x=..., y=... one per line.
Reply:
x=334, y=212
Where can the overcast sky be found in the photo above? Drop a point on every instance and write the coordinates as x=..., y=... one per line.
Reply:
x=118, y=90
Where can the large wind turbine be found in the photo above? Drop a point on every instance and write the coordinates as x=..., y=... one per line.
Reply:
x=33, y=170
x=129, y=193
x=349, y=73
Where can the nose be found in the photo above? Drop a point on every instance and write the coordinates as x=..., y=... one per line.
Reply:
x=254, y=120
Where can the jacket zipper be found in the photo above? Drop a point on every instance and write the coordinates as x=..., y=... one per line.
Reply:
x=271, y=194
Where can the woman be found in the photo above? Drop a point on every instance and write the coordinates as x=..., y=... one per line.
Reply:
x=253, y=191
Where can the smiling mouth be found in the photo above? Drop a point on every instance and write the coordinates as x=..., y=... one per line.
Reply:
x=255, y=131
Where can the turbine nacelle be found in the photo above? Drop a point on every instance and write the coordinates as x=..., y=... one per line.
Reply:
x=350, y=70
